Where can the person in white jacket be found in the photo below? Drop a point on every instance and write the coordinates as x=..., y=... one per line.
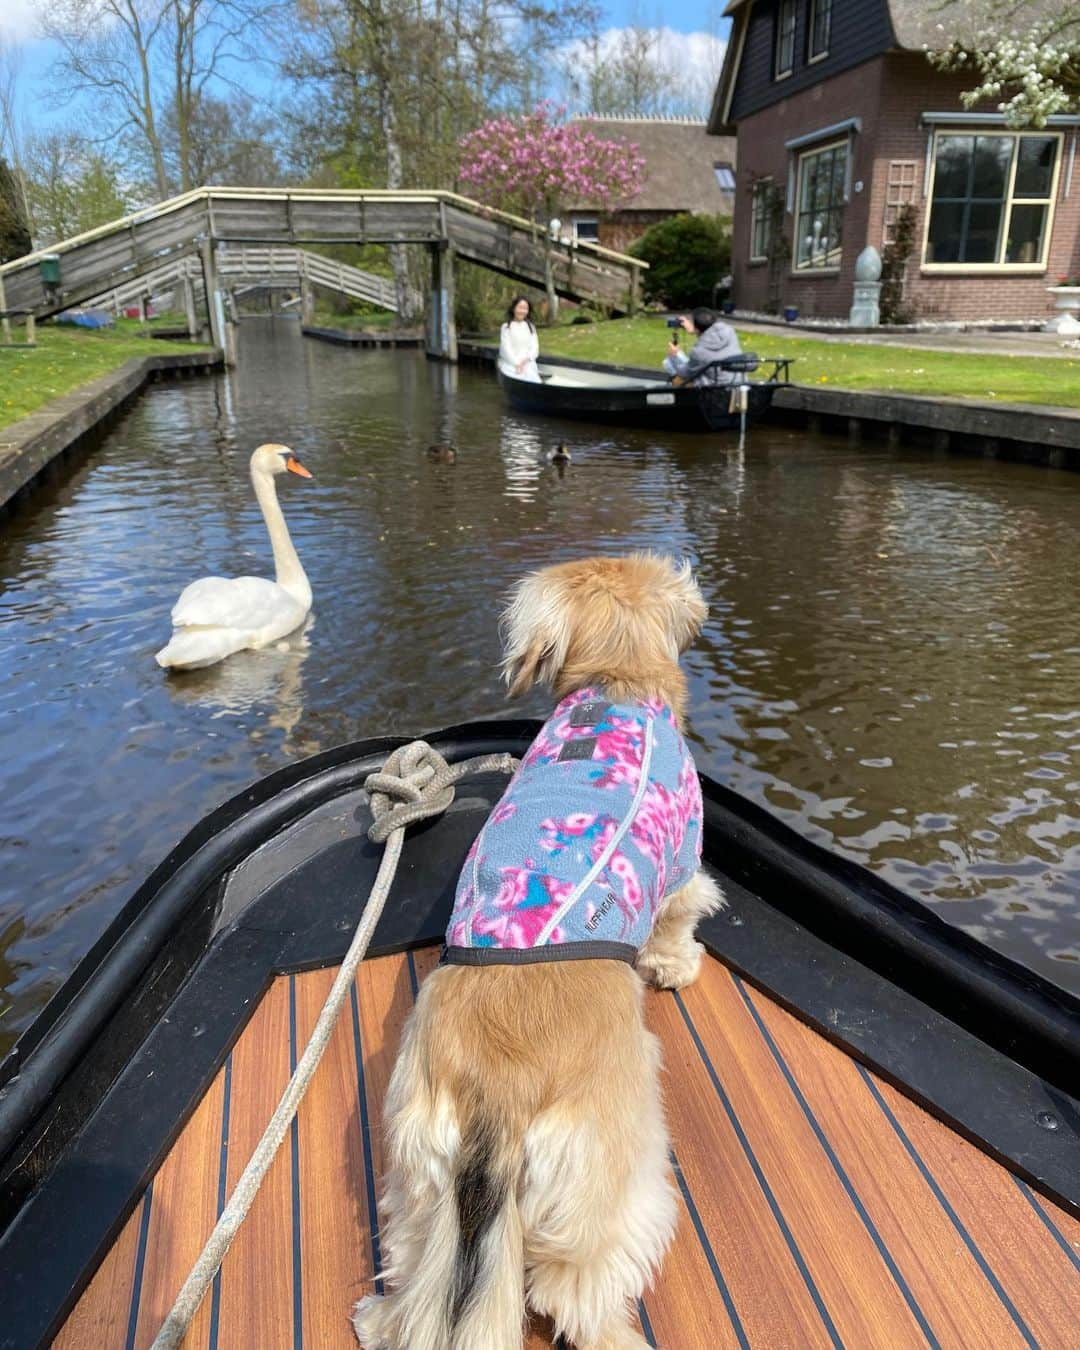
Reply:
x=519, y=347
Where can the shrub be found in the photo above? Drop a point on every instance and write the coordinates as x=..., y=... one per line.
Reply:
x=687, y=256
x=894, y=261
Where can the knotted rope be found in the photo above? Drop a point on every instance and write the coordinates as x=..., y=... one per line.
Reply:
x=414, y=784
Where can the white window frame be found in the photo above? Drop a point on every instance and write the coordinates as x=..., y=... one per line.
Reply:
x=1050, y=202
x=785, y=6
x=831, y=268
x=759, y=192
x=586, y=220
x=729, y=169
x=811, y=55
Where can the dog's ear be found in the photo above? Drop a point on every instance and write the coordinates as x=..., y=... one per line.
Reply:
x=536, y=632
x=687, y=608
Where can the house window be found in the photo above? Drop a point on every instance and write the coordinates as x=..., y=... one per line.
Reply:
x=820, y=28
x=785, y=38
x=725, y=176
x=587, y=229
x=759, y=220
x=819, y=207
x=992, y=201
x=900, y=188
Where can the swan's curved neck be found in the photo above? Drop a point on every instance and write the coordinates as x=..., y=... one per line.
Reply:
x=291, y=576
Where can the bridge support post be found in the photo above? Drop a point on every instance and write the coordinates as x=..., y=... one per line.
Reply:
x=214, y=300
x=189, y=308
x=307, y=300
x=441, y=329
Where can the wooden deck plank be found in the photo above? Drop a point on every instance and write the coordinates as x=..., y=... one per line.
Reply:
x=334, y=1236
x=256, y=1306
x=864, y=1302
x=424, y=961
x=101, y=1316
x=958, y=1303
x=1063, y=1228
x=684, y=1305
x=1035, y=1276
x=817, y=1127
x=770, y=1296
x=384, y=990
x=183, y=1210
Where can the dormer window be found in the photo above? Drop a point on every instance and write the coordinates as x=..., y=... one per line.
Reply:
x=725, y=177
x=785, y=38
x=820, y=29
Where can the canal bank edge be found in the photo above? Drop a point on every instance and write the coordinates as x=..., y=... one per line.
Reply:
x=1028, y=432
x=29, y=446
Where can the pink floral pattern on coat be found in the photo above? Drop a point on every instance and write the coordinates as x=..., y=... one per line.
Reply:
x=536, y=876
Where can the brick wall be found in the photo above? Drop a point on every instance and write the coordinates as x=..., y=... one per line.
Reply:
x=910, y=88
x=621, y=228
x=888, y=94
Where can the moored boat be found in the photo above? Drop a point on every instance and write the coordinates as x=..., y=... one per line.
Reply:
x=636, y=399
x=874, y=1137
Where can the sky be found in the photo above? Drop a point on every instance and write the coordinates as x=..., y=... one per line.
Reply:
x=692, y=29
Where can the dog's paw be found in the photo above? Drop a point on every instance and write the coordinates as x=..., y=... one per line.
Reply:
x=672, y=967
x=368, y=1321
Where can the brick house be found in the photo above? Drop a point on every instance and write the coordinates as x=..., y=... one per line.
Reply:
x=686, y=169
x=840, y=121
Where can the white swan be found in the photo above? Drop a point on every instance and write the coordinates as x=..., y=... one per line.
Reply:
x=215, y=616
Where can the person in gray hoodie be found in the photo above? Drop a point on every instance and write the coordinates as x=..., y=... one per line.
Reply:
x=715, y=341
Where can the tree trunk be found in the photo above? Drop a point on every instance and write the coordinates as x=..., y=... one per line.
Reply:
x=395, y=177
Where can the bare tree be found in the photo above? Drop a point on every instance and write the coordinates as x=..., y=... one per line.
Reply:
x=71, y=186
x=147, y=62
x=228, y=141
x=388, y=87
x=630, y=72
x=11, y=137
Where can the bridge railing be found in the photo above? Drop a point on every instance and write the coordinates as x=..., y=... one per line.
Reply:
x=115, y=254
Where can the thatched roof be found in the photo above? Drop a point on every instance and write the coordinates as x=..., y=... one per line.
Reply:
x=680, y=162
x=934, y=24
x=923, y=23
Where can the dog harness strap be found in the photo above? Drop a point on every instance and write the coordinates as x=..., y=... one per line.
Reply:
x=531, y=956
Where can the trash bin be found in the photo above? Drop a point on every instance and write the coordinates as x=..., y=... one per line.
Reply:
x=50, y=269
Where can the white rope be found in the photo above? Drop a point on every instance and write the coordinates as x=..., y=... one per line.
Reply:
x=414, y=783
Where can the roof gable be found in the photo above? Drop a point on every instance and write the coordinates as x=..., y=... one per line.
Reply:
x=860, y=31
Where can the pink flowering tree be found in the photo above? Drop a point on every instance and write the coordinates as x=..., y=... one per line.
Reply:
x=539, y=164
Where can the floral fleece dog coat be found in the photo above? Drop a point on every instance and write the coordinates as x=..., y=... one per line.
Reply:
x=600, y=823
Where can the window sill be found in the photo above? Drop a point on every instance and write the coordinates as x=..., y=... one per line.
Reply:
x=984, y=269
x=783, y=75
x=807, y=273
x=757, y=262
x=813, y=60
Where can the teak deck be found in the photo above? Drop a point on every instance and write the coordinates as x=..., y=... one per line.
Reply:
x=819, y=1206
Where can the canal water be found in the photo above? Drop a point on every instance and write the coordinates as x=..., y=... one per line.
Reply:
x=890, y=661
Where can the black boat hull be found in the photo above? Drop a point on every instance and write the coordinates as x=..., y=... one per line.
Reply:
x=660, y=407
x=275, y=880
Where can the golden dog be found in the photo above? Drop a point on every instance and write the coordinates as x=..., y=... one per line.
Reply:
x=528, y=1147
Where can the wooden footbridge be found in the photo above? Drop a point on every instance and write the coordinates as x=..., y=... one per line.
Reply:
x=248, y=267
x=211, y=224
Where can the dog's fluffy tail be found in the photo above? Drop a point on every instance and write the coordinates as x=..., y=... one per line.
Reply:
x=465, y=1290
x=486, y=1297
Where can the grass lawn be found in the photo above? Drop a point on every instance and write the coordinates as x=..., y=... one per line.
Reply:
x=65, y=358
x=642, y=341
x=379, y=318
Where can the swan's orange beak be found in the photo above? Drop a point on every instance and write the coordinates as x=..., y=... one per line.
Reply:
x=294, y=466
